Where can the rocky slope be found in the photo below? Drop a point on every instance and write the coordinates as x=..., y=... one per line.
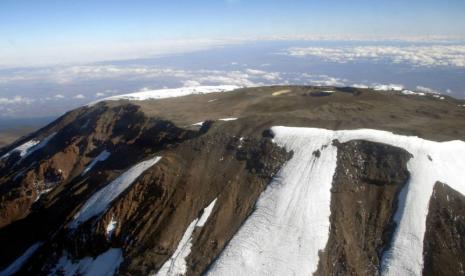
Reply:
x=205, y=183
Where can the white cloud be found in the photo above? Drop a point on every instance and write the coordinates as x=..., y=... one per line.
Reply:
x=79, y=96
x=432, y=55
x=59, y=54
x=16, y=100
x=321, y=80
x=359, y=85
x=59, y=96
x=271, y=76
x=255, y=72
x=99, y=94
x=191, y=83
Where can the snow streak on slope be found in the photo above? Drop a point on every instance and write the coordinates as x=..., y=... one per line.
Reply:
x=29, y=147
x=228, y=119
x=21, y=260
x=22, y=149
x=101, y=157
x=99, y=201
x=176, y=264
x=198, y=124
x=291, y=220
x=105, y=264
x=170, y=93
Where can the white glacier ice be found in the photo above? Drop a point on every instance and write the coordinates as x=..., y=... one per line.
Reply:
x=170, y=93
x=105, y=264
x=291, y=221
x=29, y=147
x=100, y=200
x=291, y=218
x=176, y=264
x=100, y=158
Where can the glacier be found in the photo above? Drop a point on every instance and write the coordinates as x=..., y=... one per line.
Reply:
x=176, y=264
x=290, y=223
x=170, y=93
x=100, y=200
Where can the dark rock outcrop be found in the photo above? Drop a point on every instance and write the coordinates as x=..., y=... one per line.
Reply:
x=368, y=179
x=444, y=243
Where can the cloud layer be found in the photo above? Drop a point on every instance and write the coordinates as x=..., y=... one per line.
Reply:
x=431, y=55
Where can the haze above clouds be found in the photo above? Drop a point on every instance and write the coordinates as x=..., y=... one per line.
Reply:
x=58, y=55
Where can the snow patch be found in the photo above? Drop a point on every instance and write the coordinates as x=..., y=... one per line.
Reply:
x=290, y=223
x=228, y=119
x=99, y=201
x=86, y=124
x=198, y=124
x=22, y=149
x=43, y=192
x=409, y=92
x=111, y=227
x=388, y=87
x=105, y=264
x=281, y=92
x=100, y=158
x=21, y=260
x=438, y=97
x=206, y=213
x=29, y=147
x=241, y=142
x=170, y=93
x=176, y=264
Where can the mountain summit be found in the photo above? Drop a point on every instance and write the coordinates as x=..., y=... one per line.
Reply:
x=281, y=180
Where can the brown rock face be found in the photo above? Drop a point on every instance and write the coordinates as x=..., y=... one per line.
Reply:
x=57, y=169
x=444, y=243
x=368, y=179
x=152, y=215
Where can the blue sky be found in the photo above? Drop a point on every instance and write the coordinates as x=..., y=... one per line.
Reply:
x=36, y=27
x=36, y=20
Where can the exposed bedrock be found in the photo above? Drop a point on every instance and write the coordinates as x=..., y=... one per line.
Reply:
x=368, y=179
x=444, y=243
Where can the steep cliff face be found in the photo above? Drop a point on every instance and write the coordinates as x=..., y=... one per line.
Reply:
x=207, y=184
x=445, y=229
x=364, y=199
x=151, y=215
x=60, y=153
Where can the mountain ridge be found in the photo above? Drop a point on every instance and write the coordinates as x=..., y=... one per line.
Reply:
x=230, y=162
